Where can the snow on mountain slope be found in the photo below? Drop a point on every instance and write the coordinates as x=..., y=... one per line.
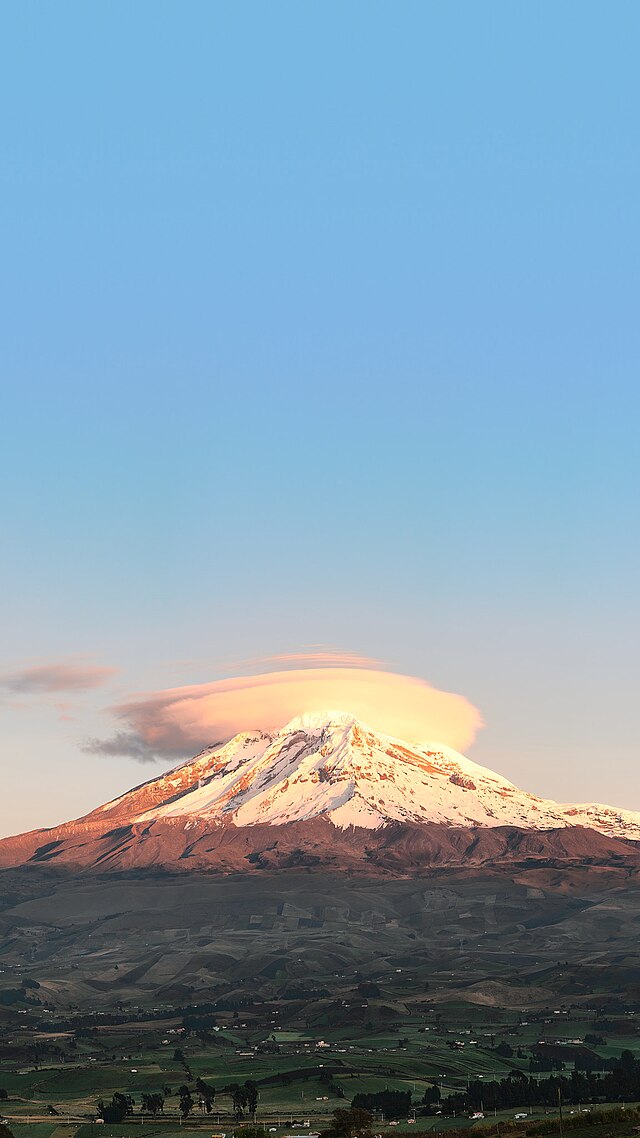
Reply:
x=331, y=765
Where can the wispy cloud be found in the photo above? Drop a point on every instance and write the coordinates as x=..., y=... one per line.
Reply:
x=125, y=744
x=180, y=721
x=48, y=678
x=315, y=656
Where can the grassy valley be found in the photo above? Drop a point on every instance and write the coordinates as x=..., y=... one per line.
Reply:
x=311, y=990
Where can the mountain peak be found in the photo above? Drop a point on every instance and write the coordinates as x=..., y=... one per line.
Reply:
x=329, y=764
x=318, y=785
x=319, y=720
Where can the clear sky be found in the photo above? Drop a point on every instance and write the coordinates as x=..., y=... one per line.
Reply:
x=320, y=326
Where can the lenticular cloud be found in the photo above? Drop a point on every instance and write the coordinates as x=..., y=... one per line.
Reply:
x=181, y=721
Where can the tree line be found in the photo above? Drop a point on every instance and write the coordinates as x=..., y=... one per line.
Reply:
x=619, y=1084
x=244, y=1100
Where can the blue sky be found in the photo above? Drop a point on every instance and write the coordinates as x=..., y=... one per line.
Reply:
x=320, y=326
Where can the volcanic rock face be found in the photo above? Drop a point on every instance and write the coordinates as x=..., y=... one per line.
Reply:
x=326, y=789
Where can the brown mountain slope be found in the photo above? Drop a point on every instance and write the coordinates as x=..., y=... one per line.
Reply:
x=397, y=849
x=326, y=791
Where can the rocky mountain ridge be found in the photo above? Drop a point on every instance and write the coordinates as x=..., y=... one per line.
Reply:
x=328, y=790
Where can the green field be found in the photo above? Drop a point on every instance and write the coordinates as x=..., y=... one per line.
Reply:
x=314, y=989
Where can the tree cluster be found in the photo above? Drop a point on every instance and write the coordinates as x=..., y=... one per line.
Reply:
x=116, y=1110
x=152, y=1104
x=207, y=1094
x=354, y=1123
x=619, y=1084
x=393, y=1104
x=244, y=1097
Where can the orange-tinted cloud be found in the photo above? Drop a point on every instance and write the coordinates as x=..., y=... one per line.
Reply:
x=180, y=721
x=316, y=656
x=56, y=678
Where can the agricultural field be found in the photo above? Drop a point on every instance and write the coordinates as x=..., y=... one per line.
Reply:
x=430, y=988
x=56, y=1072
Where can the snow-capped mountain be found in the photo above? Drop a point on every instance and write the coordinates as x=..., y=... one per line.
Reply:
x=328, y=791
x=331, y=765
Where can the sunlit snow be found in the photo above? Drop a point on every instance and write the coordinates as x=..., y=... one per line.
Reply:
x=329, y=764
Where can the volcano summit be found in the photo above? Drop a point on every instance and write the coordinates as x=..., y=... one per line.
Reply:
x=322, y=789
